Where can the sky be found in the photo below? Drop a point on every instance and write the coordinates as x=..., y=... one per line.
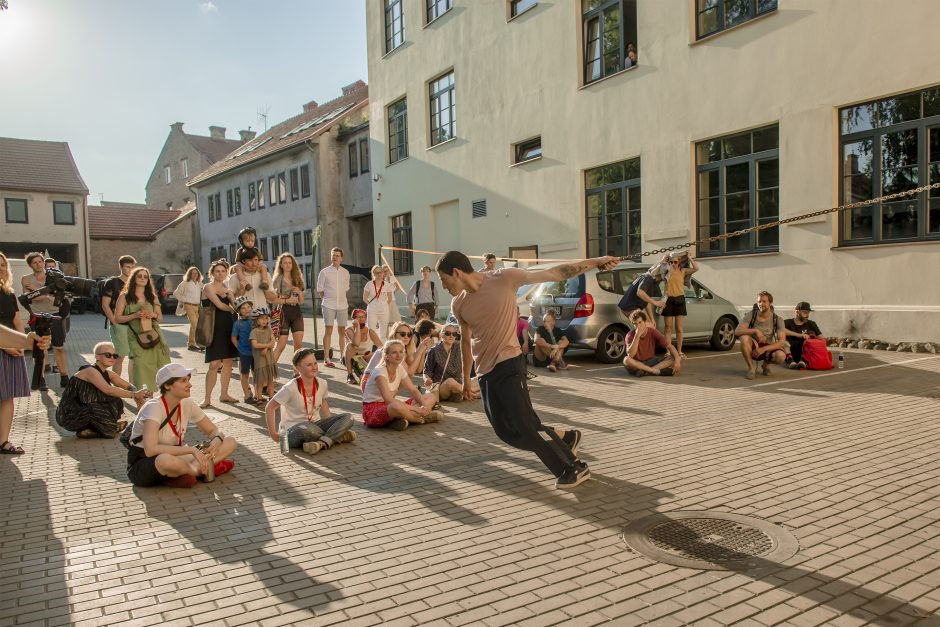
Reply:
x=110, y=76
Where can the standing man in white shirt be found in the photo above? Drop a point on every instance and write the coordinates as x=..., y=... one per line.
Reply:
x=332, y=285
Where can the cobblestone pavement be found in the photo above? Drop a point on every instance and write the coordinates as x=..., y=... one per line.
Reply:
x=443, y=524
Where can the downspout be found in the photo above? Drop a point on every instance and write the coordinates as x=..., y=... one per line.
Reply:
x=87, y=236
x=316, y=257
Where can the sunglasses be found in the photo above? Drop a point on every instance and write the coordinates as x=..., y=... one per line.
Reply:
x=449, y=334
x=111, y=355
x=404, y=333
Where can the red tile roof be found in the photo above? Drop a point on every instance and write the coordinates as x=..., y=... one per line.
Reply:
x=129, y=222
x=289, y=133
x=31, y=165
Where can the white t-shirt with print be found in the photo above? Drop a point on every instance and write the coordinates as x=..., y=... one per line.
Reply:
x=292, y=403
x=153, y=409
x=372, y=394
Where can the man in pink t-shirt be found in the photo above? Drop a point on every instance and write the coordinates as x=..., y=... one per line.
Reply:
x=485, y=306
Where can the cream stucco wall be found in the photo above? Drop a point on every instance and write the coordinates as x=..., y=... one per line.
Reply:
x=520, y=78
x=66, y=242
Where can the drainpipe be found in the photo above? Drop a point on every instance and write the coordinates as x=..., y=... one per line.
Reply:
x=316, y=256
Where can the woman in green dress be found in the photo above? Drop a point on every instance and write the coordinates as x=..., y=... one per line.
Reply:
x=139, y=308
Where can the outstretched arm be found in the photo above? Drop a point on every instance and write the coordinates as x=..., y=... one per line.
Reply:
x=571, y=269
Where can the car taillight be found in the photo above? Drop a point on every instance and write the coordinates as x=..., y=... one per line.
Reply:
x=162, y=292
x=585, y=306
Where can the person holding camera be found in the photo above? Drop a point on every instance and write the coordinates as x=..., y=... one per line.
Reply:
x=157, y=455
x=138, y=308
x=92, y=402
x=14, y=378
x=45, y=303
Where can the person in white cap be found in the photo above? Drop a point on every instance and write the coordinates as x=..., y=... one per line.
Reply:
x=157, y=454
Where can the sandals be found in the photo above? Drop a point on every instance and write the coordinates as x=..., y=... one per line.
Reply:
x=7, y=448
x=205, y=405
x=87, y=434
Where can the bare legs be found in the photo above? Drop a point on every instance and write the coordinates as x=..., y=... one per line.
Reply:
x=6, y=419
x=297, y=339
x=212, y=374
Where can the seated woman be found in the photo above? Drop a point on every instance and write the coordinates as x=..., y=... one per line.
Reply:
x=550, y=345
x=443, y=366
x=91, y=403
x=380, y=408
x=157, y=454
x=360, y=341
x=415, y=352
x=306, y=420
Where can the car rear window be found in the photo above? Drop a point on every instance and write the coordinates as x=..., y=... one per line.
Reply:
x=567, y=288
x=617, y=280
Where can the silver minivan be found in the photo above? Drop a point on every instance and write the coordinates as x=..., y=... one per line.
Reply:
x=586, y=310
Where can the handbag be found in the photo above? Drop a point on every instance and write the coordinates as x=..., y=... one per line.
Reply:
x=205, y=326
x=146, y=339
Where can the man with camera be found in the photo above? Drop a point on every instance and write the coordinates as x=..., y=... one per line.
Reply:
x=45, y=304
x=109, y=295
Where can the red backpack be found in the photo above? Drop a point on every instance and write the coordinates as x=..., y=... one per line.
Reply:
x=816, y=355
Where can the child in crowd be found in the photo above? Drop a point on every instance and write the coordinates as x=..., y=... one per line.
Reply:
x=241, y=338
x=306, y=420
x=360, y=341
x=380, y=408
x=247, y=238
x=262, y=352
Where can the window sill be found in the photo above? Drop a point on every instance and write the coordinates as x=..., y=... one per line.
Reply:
x=732, y=29
x=393, y=50
x=608, y=77
x=850, y=247
x=523, y=12
x=438, y=18
x=388, y=165
x=741, y=256
x=443, y=143
x=512, y=165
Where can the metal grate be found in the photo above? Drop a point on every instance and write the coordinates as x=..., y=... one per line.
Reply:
x=479, y=208
x=710, y=539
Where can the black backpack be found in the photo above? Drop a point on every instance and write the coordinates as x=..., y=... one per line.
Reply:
x=99, y=295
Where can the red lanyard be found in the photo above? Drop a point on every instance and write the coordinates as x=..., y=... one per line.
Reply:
x=303, y=393
x=377, y=290
x=178, y=435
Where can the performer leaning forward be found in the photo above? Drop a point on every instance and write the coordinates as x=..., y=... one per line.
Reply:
x=485, y=307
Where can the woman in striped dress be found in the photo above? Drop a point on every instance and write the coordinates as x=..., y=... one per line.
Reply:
x=14, y=379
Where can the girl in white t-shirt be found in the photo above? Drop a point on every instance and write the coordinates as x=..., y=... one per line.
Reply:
x=305, y=413
x=415, y=352
x=380, y=408
x=157, y=454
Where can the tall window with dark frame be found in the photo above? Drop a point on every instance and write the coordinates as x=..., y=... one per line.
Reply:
x=63, y=212
x=218, y=205
x=308, y=242
x=609, y=33
x=889, y=146
x=304, y=181
x=612, y=206
x=285, y=243
x=282, y=187
x=252, y=199
x=402, y=260
x=398, y=130
x=263, y=248
x=394, y=25
x=294, y=184
x=238, y=201
x=211, y=203
x=17, y=210
x=738, y=187
x=353, y=159
x=298, y=244
x=713, y=16
x=229, y=204
x=272, y=190
x=261, y=194
x=275, y=246
x=363, y=155
x=443, y=108
x=435, y=9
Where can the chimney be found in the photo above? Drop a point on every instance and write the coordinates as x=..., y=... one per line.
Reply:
x=176, y=126
x=310, y=105
x=217, y=132
x=348, y=89
x=247, y=136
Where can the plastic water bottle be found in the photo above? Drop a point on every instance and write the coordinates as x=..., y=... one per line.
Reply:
x=841, y=360
x=282, y=438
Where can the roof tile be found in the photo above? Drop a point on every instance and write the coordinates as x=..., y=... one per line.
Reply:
x=28, y=164
x=130, y=222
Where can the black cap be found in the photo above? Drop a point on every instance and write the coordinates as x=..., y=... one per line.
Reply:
x=803, y=306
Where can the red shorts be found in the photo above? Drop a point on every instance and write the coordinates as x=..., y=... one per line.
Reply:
x=376, y=414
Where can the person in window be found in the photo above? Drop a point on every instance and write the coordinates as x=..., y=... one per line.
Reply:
x=139, y=308
x=188, y=294
x=630, y=60
x=157, y=455
x=550, y=345
x=14, y=377
x=375, y=296
x=92, y=402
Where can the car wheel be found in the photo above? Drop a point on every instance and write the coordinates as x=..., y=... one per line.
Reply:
x=723, y=335
x=611, y=345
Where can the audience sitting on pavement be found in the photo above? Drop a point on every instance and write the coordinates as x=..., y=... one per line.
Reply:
x=157, y=454
x=804, y=328
x=380, y=408
x=443, y=367
x=415, y=352
x=550, y=344
x=92, y=402
x=139, y=308
x=762, y=336
x=306, y=420
x=360, y=342
x=642, y=343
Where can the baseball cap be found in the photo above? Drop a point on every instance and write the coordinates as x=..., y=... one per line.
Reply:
x=803, y=306
x=173, y=371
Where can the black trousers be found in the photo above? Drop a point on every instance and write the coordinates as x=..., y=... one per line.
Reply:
x=506, y=401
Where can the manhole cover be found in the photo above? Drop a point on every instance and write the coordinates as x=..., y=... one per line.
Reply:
x=711, y=540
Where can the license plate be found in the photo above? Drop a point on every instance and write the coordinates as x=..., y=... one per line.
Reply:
x=554, y=309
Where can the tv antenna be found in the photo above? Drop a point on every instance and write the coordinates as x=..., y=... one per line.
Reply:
x=263, y=115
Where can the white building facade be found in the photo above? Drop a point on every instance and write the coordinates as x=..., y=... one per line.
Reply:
x=579, y=128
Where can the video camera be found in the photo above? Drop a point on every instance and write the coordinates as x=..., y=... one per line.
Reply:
x=58, y=286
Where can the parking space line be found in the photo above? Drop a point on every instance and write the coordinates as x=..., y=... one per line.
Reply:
x=684, y=360
x=837, y=372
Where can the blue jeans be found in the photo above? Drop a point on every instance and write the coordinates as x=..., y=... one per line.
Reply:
x=326, y=429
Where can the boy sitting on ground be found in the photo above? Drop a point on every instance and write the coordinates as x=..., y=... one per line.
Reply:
x=642, y=342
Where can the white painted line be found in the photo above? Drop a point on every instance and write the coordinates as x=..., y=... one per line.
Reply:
x=684, y=360
x=836, y=372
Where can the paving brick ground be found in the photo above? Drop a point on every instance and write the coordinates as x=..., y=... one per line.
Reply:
x=445, y=525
